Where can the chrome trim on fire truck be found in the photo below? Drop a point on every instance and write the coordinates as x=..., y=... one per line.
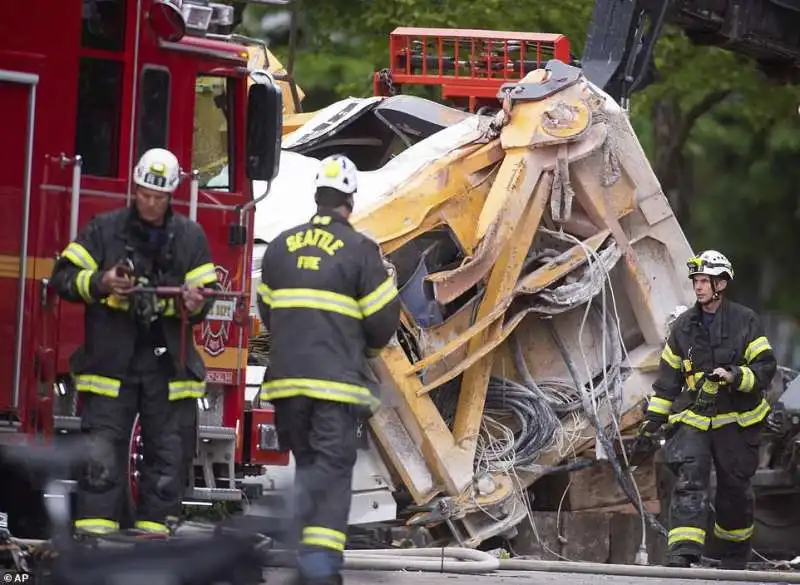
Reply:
x=30, y=80
x=213, y=53
x=112, y=195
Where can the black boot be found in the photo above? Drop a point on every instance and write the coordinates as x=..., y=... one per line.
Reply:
x=682, y=561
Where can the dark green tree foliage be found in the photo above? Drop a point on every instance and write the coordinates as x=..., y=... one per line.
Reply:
x=724, y=142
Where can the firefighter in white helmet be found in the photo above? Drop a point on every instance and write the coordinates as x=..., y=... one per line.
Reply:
x=714, y=368
x=328, y=303
x=130, y=361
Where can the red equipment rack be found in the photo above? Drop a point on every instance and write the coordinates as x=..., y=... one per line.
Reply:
x=469, y=65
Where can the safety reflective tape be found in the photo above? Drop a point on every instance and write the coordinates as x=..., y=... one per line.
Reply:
x=659, y=405
x=97, y=525
x=154, y=527
x=116, y=302
x=736, y=535
x=672, y=360
x=97, y=385
x=79, y=256
x=265, y=293
x=756, y=348
x=168, y=307
x=309, y=298
x=203, y=275
x=321, y=389
x=379, y=298
x=324, y=537
x=691, y=380
x=686, y=533
x=83, y=284
x=748, y=379
x=703, y=423
x=180, y=389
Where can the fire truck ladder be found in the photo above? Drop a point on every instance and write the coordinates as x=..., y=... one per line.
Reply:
x=469, y=65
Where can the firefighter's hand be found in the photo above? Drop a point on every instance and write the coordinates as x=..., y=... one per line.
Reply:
x=116, y=283
x=724, y=374
x=193, y=299
x=650, y=428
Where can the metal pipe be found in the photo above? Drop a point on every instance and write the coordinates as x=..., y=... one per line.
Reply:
x=75, y=200
x=194, y=194
x=32, y=81
x=656, y=572
x=135, y=92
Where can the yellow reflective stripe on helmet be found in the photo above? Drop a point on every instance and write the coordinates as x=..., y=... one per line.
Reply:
x=321, y=389
x=203, y=275
x=83, y=284
x=180, y=389
x=324, y=537
x=309, y=298
x=755, y=348
x=97, y=385
x=673, y=361
x=659, y=405
x=737, y=535
x=686, y=534
x=748, y=379
x=79, y=256
x=379, y=298
x=97, y=525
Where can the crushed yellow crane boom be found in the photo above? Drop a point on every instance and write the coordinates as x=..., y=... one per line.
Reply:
x=539, y=264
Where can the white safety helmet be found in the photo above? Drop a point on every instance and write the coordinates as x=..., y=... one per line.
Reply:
x=159, y=170
x=711, y=263
x=337, y=172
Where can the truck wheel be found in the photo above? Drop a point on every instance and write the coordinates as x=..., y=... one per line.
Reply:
x=134, y=460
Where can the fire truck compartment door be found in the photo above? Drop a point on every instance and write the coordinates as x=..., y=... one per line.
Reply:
x=16, y=104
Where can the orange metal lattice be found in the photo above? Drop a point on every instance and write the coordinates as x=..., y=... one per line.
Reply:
x=467, y=63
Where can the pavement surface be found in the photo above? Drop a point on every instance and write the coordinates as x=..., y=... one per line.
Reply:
x=283, y=577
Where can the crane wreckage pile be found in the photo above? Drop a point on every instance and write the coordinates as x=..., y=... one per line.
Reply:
x=539, y=264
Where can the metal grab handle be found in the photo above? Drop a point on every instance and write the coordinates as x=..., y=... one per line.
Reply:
x=75, y=191
x=194, y=194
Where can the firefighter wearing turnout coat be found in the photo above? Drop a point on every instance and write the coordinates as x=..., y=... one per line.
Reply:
x=713, y=371
x=130, y=360
x=328, y=303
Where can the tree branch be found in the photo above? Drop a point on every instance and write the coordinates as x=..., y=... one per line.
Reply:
x=705, y=105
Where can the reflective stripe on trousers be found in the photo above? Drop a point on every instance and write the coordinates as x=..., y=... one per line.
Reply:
x=180, y=389
x=97, y=385
x=324, y=537
x=97, y=525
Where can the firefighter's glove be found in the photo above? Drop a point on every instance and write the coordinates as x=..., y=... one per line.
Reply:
x=650, y=428
x=707, y=391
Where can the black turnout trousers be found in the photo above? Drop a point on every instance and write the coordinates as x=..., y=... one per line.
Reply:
x=322, y=437
x=690, y=454
x=169, y=438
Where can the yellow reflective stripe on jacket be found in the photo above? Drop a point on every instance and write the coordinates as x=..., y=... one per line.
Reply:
x=324, y=537
x=748, y=379
x=180, y=389
x=703, y=423
x=154, y=527
x=309, y=298
x=659, y=406
x=265, y=293
x=97, y=385
x=673, y=360
x=97, y=525
x=320, y=389
x=203, y=275
x=737, y=535
x=83, y=283
x=379, y=298
x=79, y=256
x=116, y=302
x=755, y=348
x=691, y=380
x=686, y=534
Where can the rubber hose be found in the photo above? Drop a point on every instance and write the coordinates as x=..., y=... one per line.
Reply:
x=645, y=571
x=434, y=560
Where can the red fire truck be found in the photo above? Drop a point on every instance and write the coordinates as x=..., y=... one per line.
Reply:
x=86, y=86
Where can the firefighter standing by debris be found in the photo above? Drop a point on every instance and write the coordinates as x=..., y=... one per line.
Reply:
x=328, y=303
x=130, y=362
x=718, y=351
